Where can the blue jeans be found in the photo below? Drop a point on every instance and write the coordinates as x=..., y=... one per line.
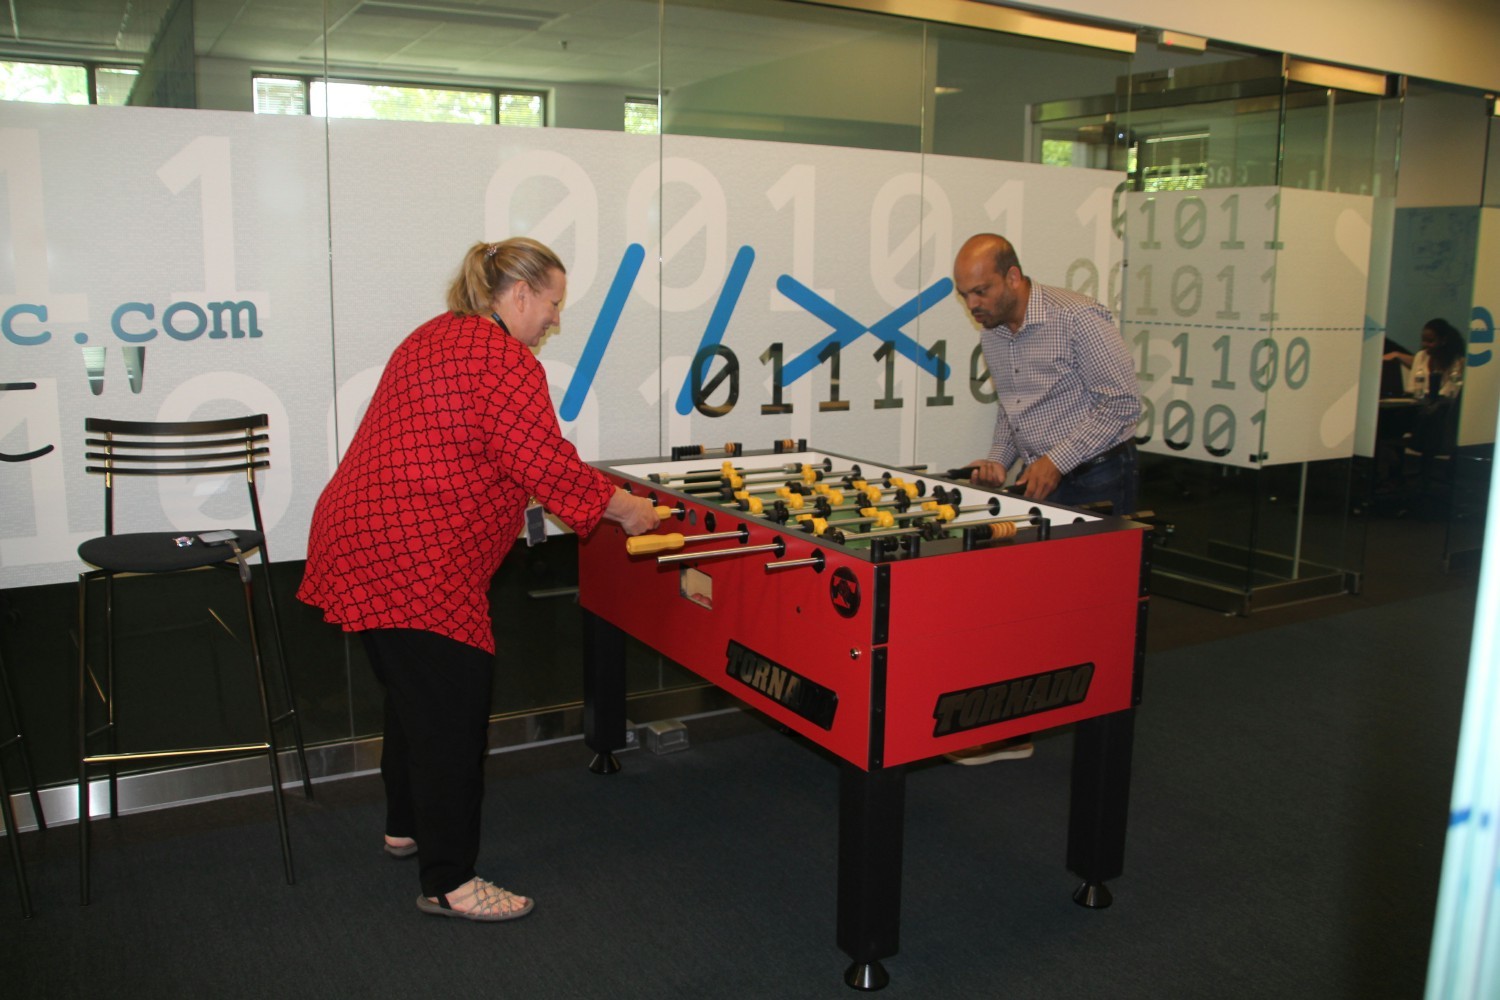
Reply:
x=1111, y=478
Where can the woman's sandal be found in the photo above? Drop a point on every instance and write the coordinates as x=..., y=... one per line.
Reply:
x=400, y=851
x=490, y=904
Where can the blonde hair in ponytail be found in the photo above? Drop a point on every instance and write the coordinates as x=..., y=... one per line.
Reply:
x=488, y=269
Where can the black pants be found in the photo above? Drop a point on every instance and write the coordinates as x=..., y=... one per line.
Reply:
x=437, y=708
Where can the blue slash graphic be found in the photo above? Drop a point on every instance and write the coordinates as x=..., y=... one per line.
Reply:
x=713, y=334
x=604, y=329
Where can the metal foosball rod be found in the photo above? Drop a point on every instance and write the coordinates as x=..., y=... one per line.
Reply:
x=778, y=547
x=780, y=509
x=807, y=474
x=731, y=448
x=868, y=515
x=1005, y=527
x=873, y=512
x=727, y=489
x=950, y=511
x=730, y=475
x=728, y=468
x=816, y=561
x=811, y=483
x=870, y=497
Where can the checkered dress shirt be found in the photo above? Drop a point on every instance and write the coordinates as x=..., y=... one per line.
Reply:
x=434, y=487
x=1065, y=382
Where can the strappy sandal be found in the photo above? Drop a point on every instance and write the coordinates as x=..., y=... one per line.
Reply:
x=489, y=903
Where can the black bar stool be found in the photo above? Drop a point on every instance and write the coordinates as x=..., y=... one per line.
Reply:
x=202, y=448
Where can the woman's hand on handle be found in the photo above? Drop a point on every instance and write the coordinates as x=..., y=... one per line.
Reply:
x=636, y=515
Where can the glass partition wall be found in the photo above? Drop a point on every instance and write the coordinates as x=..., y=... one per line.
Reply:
x=756, y=199
x=1473, y=456
x=1248, y=220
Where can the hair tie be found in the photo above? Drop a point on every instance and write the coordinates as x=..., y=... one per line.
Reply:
x=494, y=248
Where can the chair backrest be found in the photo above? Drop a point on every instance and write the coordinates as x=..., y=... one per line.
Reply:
x=1392, y=379
x=176, y=448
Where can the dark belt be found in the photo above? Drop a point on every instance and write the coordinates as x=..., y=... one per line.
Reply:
x=1102, y=457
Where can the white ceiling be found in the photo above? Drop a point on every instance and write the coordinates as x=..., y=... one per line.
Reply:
x=547, y=41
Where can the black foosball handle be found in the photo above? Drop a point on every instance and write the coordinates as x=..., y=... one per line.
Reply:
x=967, y=472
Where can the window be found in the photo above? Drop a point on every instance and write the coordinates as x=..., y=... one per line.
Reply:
x=280, y=95
x=642, y=115
x=522, y=108
x=1172, y=162
x=112, y=84
x=64, y=83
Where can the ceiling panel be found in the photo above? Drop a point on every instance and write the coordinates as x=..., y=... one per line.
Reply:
x=546, y=41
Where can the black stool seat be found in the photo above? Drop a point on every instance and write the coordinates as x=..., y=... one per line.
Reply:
x=161, y=551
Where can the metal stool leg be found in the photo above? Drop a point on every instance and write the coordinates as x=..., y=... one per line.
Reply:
x=271, y=750
x=19, y=739
x=83, y=740
x=285, y=678
x=13, y=835
x=7, y=811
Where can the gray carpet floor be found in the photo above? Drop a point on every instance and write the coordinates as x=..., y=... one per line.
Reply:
x=1287, y=818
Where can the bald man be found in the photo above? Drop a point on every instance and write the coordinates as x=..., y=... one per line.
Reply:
x=1064, y=382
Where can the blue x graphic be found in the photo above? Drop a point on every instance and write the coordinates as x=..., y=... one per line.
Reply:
x=847, y=329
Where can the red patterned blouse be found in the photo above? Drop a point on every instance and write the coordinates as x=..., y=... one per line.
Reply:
x=433, y=489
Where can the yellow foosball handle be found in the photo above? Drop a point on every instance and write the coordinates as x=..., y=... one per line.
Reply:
x=663, y=512
x=641, y=545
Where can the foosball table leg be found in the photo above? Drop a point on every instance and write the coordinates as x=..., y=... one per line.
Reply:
x=603, y=692
x=871, y=821
x=1100, y=797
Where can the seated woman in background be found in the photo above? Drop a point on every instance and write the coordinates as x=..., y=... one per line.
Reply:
x=1437, y=376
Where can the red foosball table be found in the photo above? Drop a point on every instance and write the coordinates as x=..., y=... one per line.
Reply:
x=889, y=617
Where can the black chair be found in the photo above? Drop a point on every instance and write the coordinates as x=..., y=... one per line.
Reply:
x=17, y=742
x=117, y=448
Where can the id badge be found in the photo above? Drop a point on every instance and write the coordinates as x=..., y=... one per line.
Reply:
x=536, y=524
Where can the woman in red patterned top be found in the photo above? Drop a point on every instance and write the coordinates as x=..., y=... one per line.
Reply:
x=458, y=438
